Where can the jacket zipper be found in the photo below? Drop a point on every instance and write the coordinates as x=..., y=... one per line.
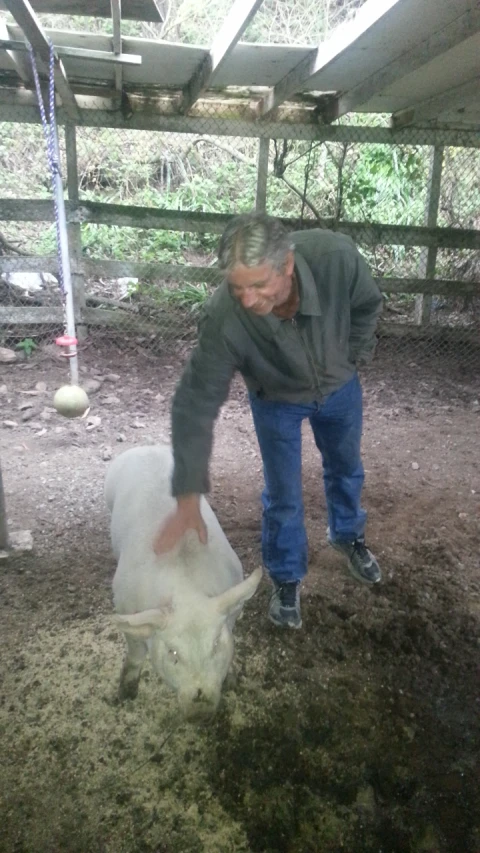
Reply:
x=308, y=354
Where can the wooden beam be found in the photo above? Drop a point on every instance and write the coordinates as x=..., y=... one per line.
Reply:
x=159, y=113
x=230, y=32
x=33, y=32
x=152, y=271
x=133, y=10
x=79, y=53
x=41, y=316
x=129, y=216
x=449, y=101
x=21, y=63
x=117, y=39
x=439, y=42
x=341, y=40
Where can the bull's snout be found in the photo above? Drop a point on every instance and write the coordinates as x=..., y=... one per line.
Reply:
x=199, y=706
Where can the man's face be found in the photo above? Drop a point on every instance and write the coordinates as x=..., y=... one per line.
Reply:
x=263, y=288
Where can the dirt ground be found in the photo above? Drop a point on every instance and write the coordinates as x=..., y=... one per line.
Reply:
x=358, y=733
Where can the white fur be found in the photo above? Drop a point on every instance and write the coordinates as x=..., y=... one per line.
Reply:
x=182, y=606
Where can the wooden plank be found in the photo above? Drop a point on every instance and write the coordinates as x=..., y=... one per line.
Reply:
x=133, y=10
x=422, y=52
x=35, y=316
x=78, y=53
x=234, y=25
x=297, y=80
x=26, y=18
x=452, y=100
x=129, y=216
x=262, y=176
x=152, y=271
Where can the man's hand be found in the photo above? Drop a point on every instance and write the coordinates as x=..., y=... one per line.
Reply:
x=187, y=516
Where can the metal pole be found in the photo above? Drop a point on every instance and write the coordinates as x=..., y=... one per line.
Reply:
x=67, y=278
x=4, y=540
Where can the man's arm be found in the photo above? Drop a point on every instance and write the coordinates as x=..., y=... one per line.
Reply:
x=365, y=308
x=202, y=390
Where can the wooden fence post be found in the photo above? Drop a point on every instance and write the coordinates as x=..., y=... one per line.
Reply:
x=428, y=262
x=262, y=176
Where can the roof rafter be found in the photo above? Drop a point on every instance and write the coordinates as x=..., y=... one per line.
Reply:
x=229, y=34
x=22, y=66
x=325, y=53
x=33, y=32
x=134, y=10
x=430, y=109
x=117, y=39
x=439, y=42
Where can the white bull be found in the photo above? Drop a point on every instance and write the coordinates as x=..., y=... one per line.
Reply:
x=180, y=607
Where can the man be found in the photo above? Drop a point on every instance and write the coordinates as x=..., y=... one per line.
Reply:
x=295, y=315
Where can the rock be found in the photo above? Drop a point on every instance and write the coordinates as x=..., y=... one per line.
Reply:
x=10, y=424
x=35, y=424
x=43, y=431
x=28, y=414
x=415, y=466
x=138, y=425
x=121, y=437
x=112, y=377
x=29, y=282
x=463, y=515
x=160, y=398
x=24, y=406
x=107, y=454
x=7, y=355
x=111, y=400
x=45, y=415
x=90, y=386
x=3, y=389
x=41, y=387
x=93, y=421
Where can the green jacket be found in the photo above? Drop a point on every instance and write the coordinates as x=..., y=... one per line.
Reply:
x=297, y=361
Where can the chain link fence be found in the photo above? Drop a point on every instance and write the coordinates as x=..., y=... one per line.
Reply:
x=151, y=206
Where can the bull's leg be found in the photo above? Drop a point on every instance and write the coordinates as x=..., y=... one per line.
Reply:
x=132, y=668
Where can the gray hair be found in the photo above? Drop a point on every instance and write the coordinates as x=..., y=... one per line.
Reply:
x=253, y=239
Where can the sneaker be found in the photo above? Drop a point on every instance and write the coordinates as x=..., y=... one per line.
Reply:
x=284, y=608
x=361, y=562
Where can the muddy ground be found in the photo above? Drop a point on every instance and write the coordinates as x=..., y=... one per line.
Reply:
x=358, y=733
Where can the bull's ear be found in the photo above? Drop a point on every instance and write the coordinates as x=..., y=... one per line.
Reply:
x=234, y=597
x=142, y=625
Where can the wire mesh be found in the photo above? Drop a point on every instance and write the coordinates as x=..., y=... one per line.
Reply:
x=181, y=187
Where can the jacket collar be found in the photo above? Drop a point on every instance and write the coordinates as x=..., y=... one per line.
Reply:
x=309, y=301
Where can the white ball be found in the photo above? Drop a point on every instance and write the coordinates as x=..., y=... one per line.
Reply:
x=71, y=401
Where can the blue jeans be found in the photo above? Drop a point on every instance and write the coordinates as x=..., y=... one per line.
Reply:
x=337, y=427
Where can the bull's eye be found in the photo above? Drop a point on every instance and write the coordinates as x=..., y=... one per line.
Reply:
x=173, y=655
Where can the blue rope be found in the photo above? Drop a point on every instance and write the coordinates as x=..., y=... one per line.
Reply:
x=51, y=138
